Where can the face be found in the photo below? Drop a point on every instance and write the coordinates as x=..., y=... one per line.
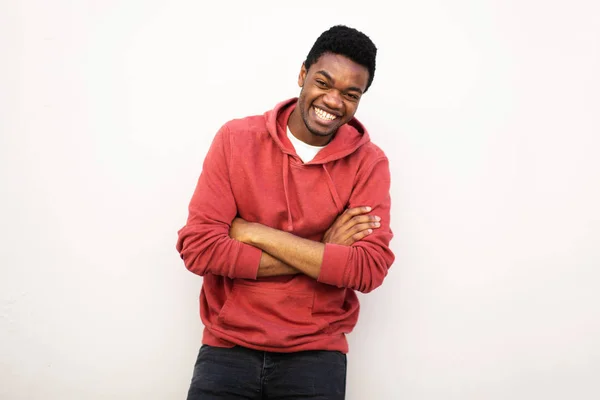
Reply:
x=331, y=91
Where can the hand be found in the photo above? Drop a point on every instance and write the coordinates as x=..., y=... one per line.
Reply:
x=351, y=226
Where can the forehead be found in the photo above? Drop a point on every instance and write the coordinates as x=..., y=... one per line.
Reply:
x=344, y=71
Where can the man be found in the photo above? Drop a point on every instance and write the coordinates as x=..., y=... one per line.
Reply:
x=290, y=216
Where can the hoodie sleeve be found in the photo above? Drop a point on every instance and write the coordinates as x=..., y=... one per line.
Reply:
x=204, y=243
x=364, y=265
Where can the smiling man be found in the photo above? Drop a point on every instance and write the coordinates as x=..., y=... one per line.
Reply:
x=290, y=217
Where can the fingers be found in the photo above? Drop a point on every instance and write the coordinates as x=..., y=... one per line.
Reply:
x=360, y=230
x=358, y=236
x=362, y=219
x=363, y=227
x=351, y=226
x=353, y=212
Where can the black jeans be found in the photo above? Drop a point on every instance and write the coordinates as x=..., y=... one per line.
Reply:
x=241, y=373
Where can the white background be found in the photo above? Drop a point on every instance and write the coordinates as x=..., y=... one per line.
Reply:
x=488, y=110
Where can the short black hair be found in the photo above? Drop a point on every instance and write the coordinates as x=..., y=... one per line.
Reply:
x=348, y=42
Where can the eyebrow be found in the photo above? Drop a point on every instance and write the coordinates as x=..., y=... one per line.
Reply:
x=351, y=88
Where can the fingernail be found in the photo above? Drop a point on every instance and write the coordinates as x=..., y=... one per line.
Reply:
x=369, y=230
x=377, y=219
x=368, y=208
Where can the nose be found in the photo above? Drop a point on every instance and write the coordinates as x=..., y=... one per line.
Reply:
x=333, y=100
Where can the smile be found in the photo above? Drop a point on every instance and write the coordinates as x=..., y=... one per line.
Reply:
x=324, y=115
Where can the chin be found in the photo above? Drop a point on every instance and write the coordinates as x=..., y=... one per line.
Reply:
x=320, y=133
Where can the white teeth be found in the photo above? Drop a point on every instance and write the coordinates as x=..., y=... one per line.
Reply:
x=324, y=115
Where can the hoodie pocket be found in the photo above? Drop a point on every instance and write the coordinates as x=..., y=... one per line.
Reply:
x=269, y=316
x=338, y=306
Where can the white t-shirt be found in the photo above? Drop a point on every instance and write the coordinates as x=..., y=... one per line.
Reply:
x=305, y=151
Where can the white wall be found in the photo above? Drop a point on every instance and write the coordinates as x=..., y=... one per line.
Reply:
x=488, y=110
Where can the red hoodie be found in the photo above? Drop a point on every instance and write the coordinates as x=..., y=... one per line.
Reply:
x=251, y=170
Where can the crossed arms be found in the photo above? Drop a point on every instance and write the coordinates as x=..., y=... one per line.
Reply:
x=287, y=254
x=215, y=241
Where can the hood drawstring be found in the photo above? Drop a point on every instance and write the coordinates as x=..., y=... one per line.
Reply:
x=334, y=193
x=286, y=160
x=330, y=185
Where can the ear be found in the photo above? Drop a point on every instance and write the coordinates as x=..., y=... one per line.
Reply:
x=302, y=75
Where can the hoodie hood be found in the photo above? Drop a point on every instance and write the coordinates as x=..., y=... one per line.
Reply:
x=346, y=140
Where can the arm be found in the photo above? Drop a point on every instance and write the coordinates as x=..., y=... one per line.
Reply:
x=204, y=243
x=303, y=255
x=361, y=266
x=270, y=266
x=364, y=265
x=348, y=228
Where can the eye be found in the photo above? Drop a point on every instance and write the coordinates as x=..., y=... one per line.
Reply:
x=352, y=96
x=321, y=83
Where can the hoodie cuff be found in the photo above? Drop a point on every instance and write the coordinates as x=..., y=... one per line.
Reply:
x=248, y=262
x=333, y=268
